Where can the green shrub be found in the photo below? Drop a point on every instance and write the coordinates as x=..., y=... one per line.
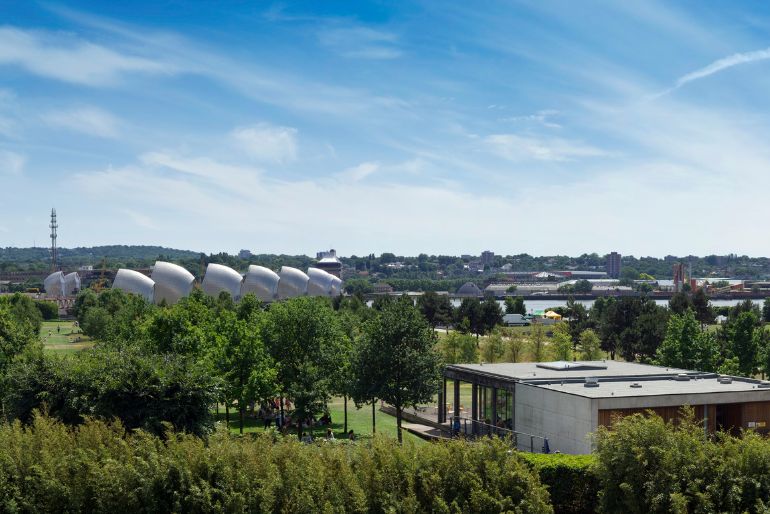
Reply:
x=571, y=480
x=100, y=467
x=48, y=310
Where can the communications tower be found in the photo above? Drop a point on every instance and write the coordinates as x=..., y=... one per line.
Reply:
x=54, y=250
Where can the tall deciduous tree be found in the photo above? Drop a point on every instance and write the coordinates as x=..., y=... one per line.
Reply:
x=590, y=345
x=396, y=360
x=745, y=342
x=305, y=339
x=687, y=345
x=436, y=309
x=515, y=305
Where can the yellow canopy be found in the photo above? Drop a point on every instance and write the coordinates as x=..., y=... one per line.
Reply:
x=552, y=315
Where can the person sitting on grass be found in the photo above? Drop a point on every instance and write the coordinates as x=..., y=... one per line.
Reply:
x=351, y=435
x=306, y=438
x=329, y=434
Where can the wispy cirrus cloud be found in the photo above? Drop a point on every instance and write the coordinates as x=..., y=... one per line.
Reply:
x=11, y=163
x=267, y=142
x=67, y=58
x=88, y=120
x=514, y=147
x=361, y=42
x=723, y=64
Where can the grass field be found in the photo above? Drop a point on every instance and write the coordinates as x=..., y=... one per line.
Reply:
x=359, y=420
x=63, y=337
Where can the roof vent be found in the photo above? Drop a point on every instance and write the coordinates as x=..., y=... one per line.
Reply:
x=682, y=377
x=636, y=385
x=592, y=382
x=725, y=380
x=763, y=385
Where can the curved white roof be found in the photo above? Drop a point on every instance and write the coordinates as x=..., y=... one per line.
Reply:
x=172, y=282
x=54, y=284
x=293, y=283
x=262, y=282
x=220, y=278
x=320, y=283
x=336, y=286
x=132, y=281
x=71, y=283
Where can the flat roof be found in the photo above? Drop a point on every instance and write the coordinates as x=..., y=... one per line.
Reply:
x=654, y=386
x=526, y=371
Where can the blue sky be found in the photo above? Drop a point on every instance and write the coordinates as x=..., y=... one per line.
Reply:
x=442, y=127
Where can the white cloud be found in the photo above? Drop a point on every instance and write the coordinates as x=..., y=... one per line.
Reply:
x=141, y=220
x=543, y=117
x=235, y=179
x=360, y=172
x=88, y=120
x=361, y=42
x=723, y=64
x=267, y=142
x=520, y=148
x=11, y=163
x=64, y=57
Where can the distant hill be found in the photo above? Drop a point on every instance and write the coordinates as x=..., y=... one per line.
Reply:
x=125, y=255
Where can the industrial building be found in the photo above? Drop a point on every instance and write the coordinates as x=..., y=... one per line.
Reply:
x=564, y=402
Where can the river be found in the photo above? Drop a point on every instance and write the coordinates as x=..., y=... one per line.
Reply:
x=540, y=305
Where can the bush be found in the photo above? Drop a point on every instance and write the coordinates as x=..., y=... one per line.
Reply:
x=48, y=310
x=571, y=480
x=99, y=467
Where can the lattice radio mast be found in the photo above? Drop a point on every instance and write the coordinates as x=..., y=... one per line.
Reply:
x=54, y=250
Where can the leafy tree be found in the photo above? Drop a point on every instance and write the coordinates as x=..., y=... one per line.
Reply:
x=241, y=359
x=562, y=342
x=459, y=348
x=590, y=345
x=396, y=359
x=704, y=312
x=537, y=339
x=305, y=338
x=515, y=346
x=766, y=310
x=745, y=342
x=24, y=310
x=491, y=315
x=687, y=345
x=48, y=310
x=515, y=305
x=437, y=309
x=470, y=317
x=650, y=329
x=583, y=287
x=493, y=348
x=578, y=319
x=680, y=303
x=96, y=323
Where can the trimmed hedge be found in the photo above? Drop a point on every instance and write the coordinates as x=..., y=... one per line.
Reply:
x=99, y=467
x=571, y=480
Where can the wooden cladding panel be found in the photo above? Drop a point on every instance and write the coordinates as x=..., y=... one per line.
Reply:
x=606, y=416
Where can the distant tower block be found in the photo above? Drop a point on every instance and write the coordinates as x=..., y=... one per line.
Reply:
x=613, y=265
x=54, y=251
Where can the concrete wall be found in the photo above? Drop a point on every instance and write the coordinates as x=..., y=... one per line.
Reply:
x=564, y=419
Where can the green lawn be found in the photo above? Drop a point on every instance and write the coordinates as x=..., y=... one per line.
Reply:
x=359, y=420
x=63, y=337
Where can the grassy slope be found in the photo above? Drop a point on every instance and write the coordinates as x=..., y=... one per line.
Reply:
x=68, y=339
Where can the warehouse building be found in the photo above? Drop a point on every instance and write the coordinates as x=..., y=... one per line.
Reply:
x=564, y=402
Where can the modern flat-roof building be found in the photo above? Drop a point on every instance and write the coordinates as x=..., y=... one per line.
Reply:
x=565, y=402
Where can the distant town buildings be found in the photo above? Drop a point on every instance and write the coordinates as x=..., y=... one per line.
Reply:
x=613, y=265
x=487, y=258
x=326, y=253
x=245, y=254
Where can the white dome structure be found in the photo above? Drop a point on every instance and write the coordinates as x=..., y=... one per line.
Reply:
x=132, y=281
x=220, y=278
x=261, y=282
x=71, y=283
x=320, y=283
x=293, y=283
x=54, y=284
x=336, y=286
x=172, y=282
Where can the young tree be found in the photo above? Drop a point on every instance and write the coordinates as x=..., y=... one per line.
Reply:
x=562, y=342
x=516, y=346
x=305, y=339
x=745, y=342
x=493, y=348
x=515, y=305
x=679, y=303
x=457, y=348
x=469, y=316
x=436, y=309
x=537, y=339
x=687, y=345
x=590, y=345
x=766, y=310
x=396, y=361
x=491, y=315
